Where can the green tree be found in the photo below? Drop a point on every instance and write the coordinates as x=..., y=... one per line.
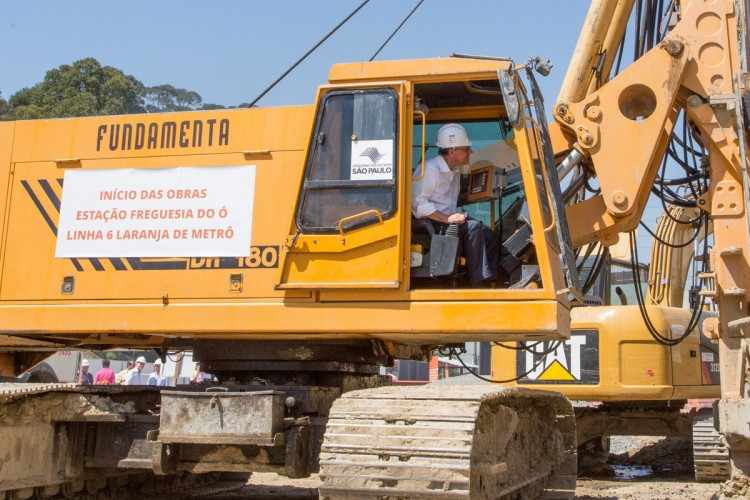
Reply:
x=83, y=88
x=207, y=105
x=161, y=98
x=87, y=88
x=3, y=106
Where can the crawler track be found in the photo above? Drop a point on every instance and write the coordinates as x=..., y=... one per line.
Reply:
x=467, y=442
x=710, y=451
x=45, y=430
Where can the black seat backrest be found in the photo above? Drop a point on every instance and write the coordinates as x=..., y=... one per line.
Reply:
x=442, y=256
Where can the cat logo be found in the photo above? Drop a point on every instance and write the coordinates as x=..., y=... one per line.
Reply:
x=573, y=361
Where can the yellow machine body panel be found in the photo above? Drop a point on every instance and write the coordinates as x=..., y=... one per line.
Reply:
x=350, y=282
x=612, y=357
x=44, y=150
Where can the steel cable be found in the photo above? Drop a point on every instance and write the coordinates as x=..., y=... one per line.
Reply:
x=310, y=51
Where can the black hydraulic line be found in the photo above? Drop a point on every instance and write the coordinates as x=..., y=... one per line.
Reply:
x=574, y=186
x=684, y=145
x=680, y=200
x=664, y=201
x=658, y=20
x=637, y=25
x=619, y=53
x=648, y=28
x=666, y=16
x=599, y=265
x=680, y=180
x=695, y=315
x=666, y=243
x=518, y=347
x=589, y=250
x=514, y=379
x=527, y=348
x=683, y=222
x=672, y=151
x=674, y=201
x=684, y=140
x=310, y=51
x=420, y=2
x=645, y=33
x=591, y=189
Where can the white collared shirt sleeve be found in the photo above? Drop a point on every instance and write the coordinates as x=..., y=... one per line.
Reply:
x=437, y=190
x=422, y=192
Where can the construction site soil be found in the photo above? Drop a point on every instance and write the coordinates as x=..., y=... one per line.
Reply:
x=273, y=487
x=667, y=464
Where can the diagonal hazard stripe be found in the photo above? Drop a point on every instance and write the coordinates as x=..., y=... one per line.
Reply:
x=52, y=196
x=55, y=200
x=46, y=218
x=50, y=193
x=39, y=207
x=139, y=264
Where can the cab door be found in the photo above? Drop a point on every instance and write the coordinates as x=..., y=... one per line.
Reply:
x=348, y=228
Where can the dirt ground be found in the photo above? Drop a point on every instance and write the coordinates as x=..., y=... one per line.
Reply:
x=683, y=488
x=665, y=463
x=273, y=487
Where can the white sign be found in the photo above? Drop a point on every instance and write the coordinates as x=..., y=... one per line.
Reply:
x=372, y=160
x=173, y=212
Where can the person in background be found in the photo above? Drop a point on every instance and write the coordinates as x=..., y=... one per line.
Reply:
x=136, y=375
x=122, y=375
x=200, y=376
x=156, y=378
x=105, y=376
x=84, y=377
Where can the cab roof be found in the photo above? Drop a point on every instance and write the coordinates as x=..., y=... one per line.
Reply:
x=419, y=70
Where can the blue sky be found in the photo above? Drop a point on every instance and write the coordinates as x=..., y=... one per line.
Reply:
x=229, y=51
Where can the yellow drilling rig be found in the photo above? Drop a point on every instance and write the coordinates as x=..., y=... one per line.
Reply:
x=278, y=245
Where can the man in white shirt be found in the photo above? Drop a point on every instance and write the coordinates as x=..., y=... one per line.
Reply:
x=136, y=375
x=156, y=378
x=435, y=197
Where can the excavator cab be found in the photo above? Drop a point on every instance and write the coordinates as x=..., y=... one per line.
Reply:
x=355, y=237
x=492, y=191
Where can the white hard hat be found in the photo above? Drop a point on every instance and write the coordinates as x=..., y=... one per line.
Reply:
x=157, y=362
x=141, y=359
x=85, y=362
x=452, y=135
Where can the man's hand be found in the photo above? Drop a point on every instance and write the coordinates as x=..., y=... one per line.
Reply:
x=457, y=218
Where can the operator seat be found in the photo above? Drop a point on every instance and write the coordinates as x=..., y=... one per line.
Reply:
x=443, y=249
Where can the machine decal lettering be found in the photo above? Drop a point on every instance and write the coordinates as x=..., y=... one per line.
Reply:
x=372, y=160
x=574, y=361
x=41, y=191
x=140, y=212
x=162, y=135
x=709, y=356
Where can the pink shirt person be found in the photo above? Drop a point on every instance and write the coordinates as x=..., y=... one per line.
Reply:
x=105, y=376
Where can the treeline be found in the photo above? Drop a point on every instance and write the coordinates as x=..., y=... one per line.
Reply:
x=87, y=88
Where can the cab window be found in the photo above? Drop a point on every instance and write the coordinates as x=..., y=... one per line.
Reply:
x=622, y=285
x=352, y=161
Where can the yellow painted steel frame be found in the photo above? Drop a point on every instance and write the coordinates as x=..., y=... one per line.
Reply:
x=632, y=365
x=624, y=127
x=138, y=301
x=641, y=104
x=670, y=264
